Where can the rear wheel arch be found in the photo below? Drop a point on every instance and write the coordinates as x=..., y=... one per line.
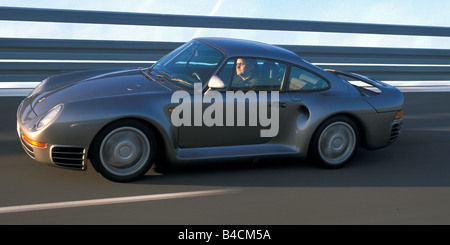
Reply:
x=358, y=123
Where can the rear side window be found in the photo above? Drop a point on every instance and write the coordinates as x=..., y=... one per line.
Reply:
x=303, y=80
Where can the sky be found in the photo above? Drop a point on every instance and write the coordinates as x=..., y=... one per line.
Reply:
x=402, y=12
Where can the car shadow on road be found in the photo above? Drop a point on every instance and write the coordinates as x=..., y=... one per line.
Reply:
x=418, y=159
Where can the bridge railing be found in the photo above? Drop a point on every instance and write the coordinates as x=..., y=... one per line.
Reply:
x=31, y=60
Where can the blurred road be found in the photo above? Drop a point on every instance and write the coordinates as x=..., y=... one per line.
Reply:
x=405, y=183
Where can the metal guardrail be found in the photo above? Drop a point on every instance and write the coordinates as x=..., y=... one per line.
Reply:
x=124, y=18
x=31, y=60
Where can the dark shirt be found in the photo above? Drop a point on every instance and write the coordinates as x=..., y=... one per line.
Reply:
x=238, y=82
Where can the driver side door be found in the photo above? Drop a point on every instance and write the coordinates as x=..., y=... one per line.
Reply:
x=233, y=116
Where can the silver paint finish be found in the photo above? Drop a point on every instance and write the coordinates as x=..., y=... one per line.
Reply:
x=94, y=99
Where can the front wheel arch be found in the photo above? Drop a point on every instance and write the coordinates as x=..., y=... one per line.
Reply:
x=143, y=137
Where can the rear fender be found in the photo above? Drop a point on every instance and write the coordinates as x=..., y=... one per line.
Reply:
x=387, y=98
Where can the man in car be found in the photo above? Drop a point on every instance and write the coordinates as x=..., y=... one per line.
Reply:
x=246, y=73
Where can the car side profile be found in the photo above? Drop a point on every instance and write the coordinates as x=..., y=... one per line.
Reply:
x=209, y=99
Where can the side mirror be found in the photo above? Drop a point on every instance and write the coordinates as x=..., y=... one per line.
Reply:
x=216, y=83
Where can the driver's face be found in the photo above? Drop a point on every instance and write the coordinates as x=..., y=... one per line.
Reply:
x=243, y=69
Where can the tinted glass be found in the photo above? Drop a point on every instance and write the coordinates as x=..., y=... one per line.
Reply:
x=302, y=80
x=191, y=63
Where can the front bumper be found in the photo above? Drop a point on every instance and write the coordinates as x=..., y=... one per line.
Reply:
x=67, y=156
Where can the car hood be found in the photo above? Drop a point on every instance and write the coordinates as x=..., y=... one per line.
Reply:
x=92, y=84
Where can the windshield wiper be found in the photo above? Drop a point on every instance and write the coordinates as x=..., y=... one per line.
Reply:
x=165, y=75
x=184, y=82
x=147, y=75
x=174, y=79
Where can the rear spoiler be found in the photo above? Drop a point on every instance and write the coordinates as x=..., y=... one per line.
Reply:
x=377, y=83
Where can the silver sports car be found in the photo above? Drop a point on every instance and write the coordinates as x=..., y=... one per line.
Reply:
x=209, y=99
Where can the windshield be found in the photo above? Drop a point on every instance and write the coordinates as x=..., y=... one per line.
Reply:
x=190, y=63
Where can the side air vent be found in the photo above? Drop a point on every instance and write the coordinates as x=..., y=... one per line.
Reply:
x=395, y=131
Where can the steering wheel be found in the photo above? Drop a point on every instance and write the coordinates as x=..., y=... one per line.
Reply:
x=196, y=76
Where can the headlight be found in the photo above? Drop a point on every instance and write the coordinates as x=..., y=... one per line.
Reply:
x=49, y=117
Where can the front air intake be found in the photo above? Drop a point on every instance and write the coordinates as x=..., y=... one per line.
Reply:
x=69, y=157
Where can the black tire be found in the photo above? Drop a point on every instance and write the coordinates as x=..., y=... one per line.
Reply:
x=124, y=150
x=335, y=142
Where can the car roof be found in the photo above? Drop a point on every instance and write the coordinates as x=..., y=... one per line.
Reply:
x=246, y=48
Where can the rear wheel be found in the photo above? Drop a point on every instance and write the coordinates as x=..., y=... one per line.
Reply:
x=335, y=142
x=124, y=151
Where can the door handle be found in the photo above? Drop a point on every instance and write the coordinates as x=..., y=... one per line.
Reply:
x=281, y=104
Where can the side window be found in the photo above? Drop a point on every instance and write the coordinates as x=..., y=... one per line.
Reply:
x=271, y=75
x=226, y=73
x=302, y=80
x=253, y=74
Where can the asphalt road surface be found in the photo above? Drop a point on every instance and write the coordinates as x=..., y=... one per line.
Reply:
x=405, y=183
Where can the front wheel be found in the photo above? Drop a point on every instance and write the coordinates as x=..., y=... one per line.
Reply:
x=123, y=151
x=335, y=142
